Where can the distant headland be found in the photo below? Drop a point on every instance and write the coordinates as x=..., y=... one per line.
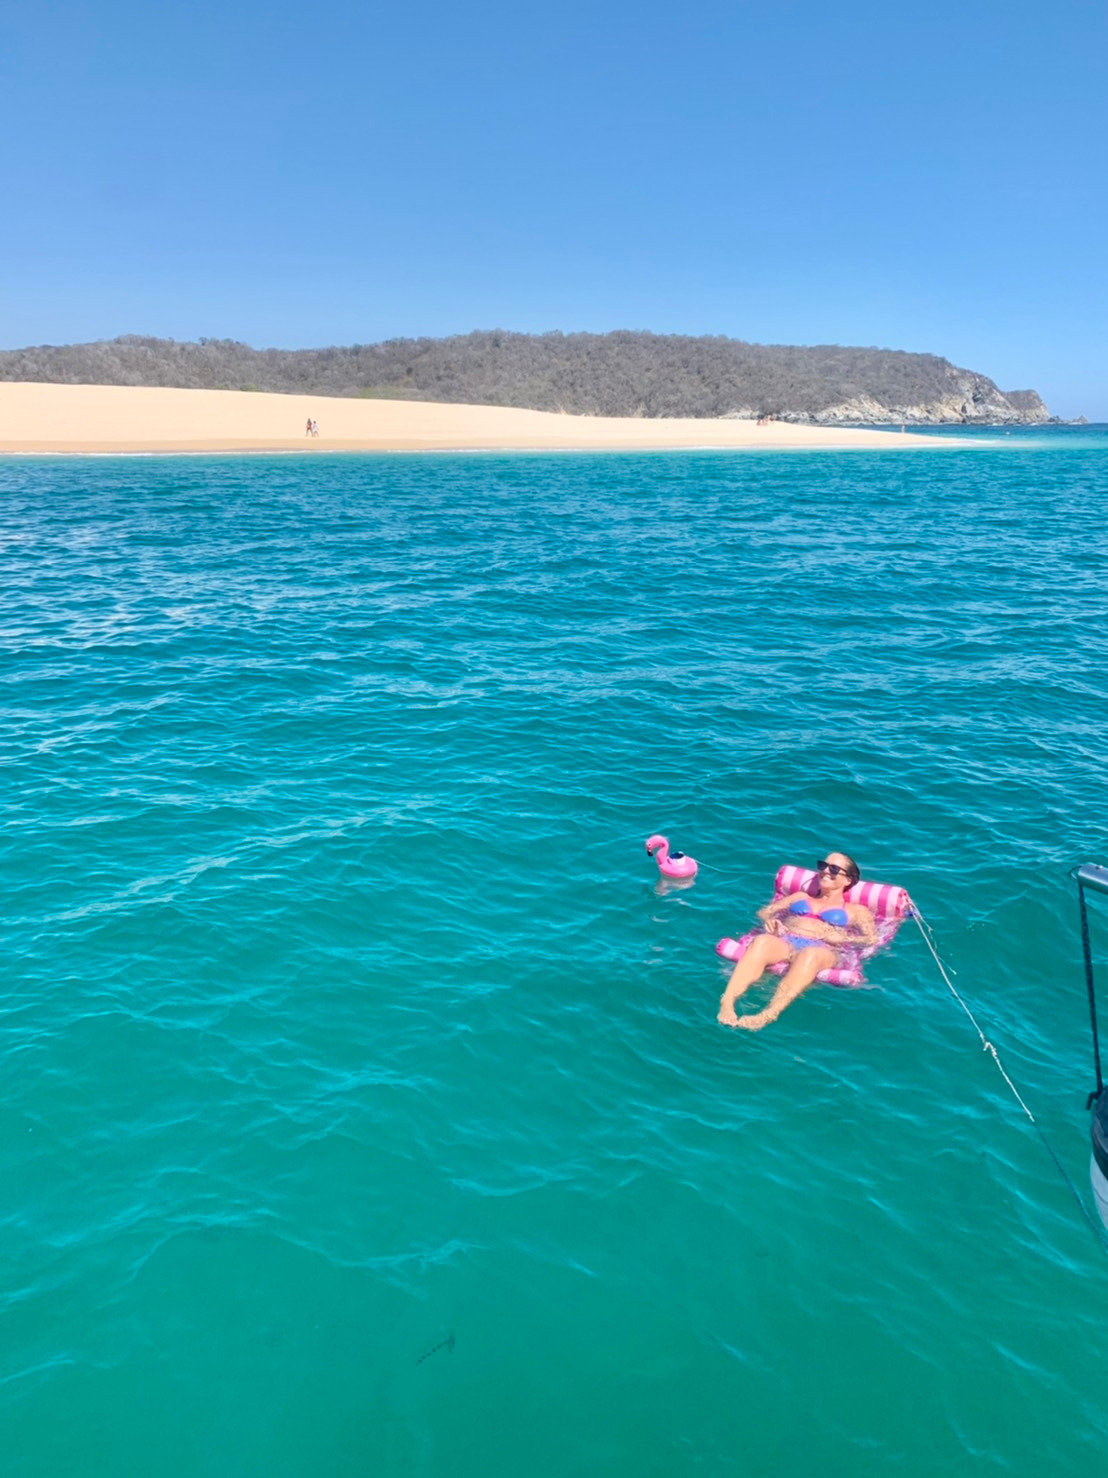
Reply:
x=614, y=374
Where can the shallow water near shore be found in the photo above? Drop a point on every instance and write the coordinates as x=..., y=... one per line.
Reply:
x=363, y=1108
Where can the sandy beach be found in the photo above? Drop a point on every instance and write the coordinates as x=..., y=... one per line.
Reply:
x=102, y=418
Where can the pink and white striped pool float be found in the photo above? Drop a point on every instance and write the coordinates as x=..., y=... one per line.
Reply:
x=889, y=905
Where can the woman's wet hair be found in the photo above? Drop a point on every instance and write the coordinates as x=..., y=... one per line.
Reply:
x=855, y=875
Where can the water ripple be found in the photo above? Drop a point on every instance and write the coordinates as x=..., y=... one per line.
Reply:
x=344, y=1015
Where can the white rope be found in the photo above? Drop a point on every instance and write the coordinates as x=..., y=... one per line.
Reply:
x=985, y=1043
x=925, y=930
x=720, y=871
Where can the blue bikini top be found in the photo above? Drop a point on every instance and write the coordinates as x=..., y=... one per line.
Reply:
x=837, y=916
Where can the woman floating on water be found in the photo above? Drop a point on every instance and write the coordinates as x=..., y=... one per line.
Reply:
x=809, y=939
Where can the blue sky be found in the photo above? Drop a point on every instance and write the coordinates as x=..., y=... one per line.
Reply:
x=927, y=178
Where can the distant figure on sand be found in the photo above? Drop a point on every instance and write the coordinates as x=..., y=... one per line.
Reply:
x=308, y=427
x=315, y=427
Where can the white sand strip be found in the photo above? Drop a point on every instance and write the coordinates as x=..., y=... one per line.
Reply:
x=108, y=418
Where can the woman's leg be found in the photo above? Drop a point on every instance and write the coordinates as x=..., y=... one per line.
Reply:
x=806, y=965
x=762, y=952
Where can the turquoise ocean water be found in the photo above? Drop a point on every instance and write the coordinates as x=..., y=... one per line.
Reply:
x=363, y=1109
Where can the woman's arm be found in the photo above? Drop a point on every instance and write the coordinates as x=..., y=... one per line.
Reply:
x=772, y=913
x=863, y=924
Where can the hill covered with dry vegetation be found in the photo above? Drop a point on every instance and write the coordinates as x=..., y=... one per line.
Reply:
x=614, y=374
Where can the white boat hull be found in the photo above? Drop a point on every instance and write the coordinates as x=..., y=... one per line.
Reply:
x=1100, y=1190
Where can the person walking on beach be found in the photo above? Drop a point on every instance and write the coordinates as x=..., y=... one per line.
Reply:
x=308, y=427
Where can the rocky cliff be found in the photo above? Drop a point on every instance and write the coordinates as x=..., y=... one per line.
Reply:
x=967, y=399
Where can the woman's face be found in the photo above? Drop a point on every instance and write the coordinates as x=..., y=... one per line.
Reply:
x=835, y=872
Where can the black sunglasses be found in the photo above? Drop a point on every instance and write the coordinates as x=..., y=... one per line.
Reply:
x=834, y=869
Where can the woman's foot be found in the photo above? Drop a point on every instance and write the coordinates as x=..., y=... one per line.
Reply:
x=756, y=1021
x=726, y=1014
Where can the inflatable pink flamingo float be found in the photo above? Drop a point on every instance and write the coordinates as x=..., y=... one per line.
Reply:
x=670, y=864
